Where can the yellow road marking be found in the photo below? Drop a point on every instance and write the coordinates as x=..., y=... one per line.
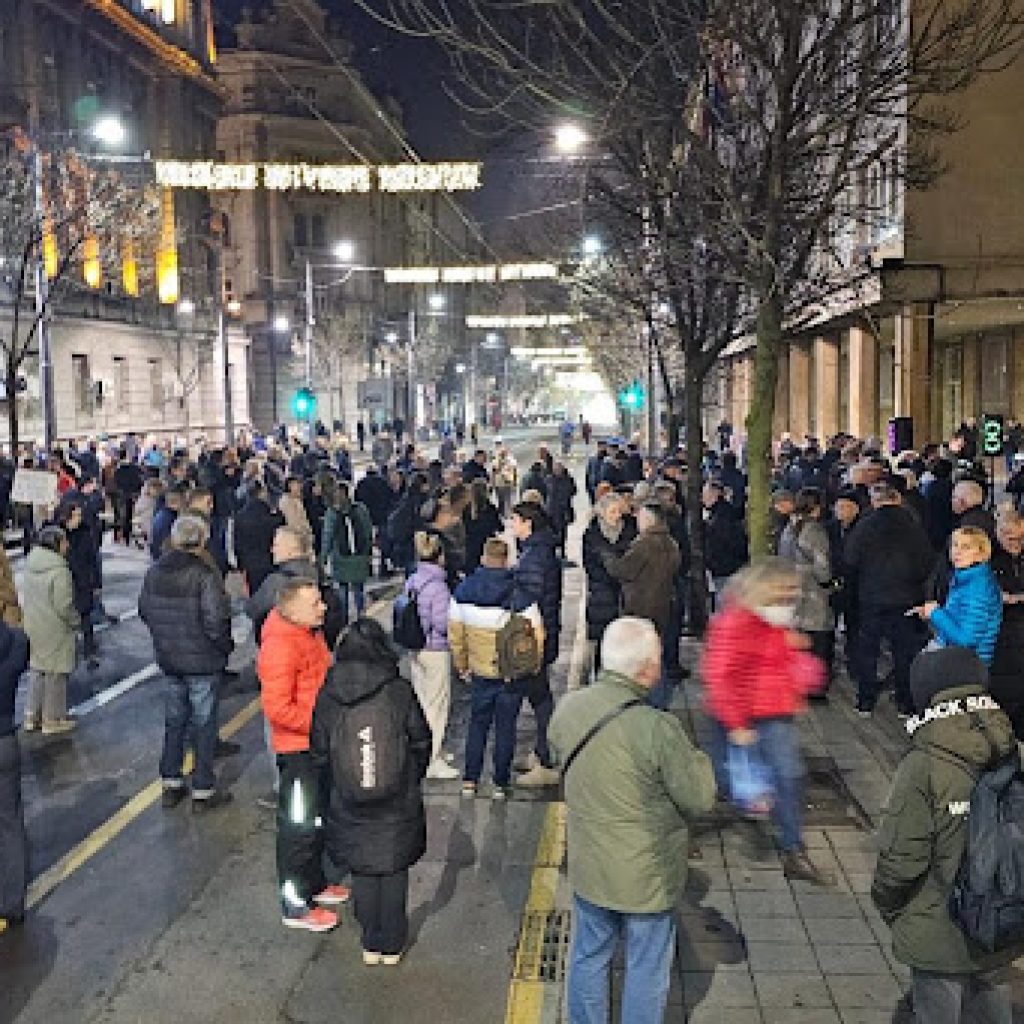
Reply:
x=84, y=851
x=526, y=998
x=45, y=883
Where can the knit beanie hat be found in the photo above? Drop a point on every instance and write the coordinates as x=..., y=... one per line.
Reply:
x=942, y=669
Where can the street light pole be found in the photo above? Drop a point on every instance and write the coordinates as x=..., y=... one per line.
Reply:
x=310, y=321
x=42, y=311
x=411, y=372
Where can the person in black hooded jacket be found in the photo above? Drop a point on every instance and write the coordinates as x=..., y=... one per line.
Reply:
x=13, y=850
x=381, y=840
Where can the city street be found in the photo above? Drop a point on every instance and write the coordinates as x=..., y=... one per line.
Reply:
x=146, y=915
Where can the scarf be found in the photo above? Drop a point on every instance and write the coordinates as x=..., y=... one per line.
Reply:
x=609, y=532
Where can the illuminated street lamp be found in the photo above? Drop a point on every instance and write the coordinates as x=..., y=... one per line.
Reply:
x=592, y=246
x=436, y=302
x=109, y=131
x=186, y=307
x=344, y=251
x=282, y=324
x=570, y=138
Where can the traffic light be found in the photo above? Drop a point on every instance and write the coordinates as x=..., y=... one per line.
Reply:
x=632, y=398
x=304, y=403
x=991, y=434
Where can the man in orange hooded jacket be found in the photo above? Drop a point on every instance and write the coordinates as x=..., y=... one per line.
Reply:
x=292, y=664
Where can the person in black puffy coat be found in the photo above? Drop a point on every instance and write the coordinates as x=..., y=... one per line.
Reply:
x=1006, y=673
x=187, y=610
x=482, y=522
x=608, y=534
x=378, y=841
x=538, y=579
x=13, y=850
x=255, y=526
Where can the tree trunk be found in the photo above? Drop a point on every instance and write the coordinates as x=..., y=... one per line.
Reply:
x=11, y=378
x=694, y=509
x=759, y=423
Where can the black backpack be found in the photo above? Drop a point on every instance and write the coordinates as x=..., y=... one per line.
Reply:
x=987, y=901
x=407, y=627
x=369, y=749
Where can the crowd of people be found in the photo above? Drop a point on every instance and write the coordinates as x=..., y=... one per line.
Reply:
x=900, y=561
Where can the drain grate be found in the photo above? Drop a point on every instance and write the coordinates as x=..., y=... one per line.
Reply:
x=827, y=798
x=543, y=946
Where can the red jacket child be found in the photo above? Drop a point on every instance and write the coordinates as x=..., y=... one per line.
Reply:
x=753, y=671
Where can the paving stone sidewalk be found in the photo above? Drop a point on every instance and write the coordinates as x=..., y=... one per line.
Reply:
x=755, y=948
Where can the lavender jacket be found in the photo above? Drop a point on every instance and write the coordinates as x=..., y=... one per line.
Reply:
x=433, y=598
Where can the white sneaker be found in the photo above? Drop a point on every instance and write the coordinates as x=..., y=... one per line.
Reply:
x=538, y=777
x=441, y=770
x=370, y=958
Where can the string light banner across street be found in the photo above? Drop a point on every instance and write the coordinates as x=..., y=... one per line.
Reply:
x=340, y=178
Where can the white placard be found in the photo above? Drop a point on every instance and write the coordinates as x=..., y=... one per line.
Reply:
x=34, y=487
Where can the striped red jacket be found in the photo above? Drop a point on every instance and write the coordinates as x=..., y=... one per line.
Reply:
x=751, y=672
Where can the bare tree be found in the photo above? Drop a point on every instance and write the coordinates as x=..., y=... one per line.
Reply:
x=768, y=115
x=86, y=214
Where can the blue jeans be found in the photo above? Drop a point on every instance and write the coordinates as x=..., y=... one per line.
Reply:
x=650, y=949
x=778, y=743
x=492, y=699
x=359, y=595
x=190, y=700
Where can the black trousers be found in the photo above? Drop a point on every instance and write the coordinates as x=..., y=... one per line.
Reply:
x=13, y=845
x=300, y=846
x=380, y=904
x=905, y=638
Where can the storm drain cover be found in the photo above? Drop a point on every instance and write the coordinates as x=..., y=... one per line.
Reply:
x=827, y=798
x=543, y=946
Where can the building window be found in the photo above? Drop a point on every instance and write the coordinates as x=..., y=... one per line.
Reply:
x=121, y=396
x=299, y=229
x=81, y=383
x=995, y=374
x=156, y=387
x=887, y=382
x=951, y=383
x=318, y=230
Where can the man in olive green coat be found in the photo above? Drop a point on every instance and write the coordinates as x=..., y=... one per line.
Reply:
x=958, y=729
x=630, y=790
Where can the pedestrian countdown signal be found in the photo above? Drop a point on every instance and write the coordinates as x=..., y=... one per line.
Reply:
x=991, y=435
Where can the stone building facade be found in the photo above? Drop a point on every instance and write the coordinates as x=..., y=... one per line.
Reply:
x=938, y=333
x=122, y=358
x=294, y=95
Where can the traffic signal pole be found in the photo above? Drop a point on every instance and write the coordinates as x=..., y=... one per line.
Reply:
x=310, y=321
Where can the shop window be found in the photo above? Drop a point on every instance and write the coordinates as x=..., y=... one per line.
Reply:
x=951, y=386
x=887, y=382
x=299, y=229
x=156, y=387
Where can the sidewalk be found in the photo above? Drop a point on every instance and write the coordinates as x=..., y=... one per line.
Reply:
x=755, y=948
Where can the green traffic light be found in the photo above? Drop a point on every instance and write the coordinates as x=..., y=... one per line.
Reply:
x=304, y=403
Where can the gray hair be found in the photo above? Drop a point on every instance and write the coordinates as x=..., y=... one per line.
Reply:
x=189, y=533
x=641, y=491
x=628, y=644
x=758, y=583
x=969, y=492
x=302, y=539
x=884, y=494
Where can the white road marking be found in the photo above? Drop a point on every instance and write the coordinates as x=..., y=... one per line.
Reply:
x=113, y=692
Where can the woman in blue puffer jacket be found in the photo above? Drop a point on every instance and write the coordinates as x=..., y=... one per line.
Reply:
x=973, y=610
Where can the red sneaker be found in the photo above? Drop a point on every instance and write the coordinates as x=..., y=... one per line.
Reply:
x=333, y=896
x=315, y=920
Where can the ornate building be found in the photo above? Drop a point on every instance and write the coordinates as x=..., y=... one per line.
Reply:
x=133, y=312
x=294, y=95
